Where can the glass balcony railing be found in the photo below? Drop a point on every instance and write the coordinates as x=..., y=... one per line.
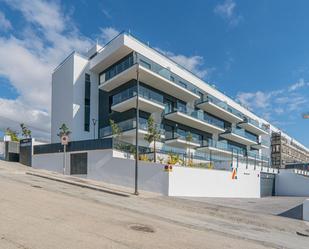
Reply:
x=143, y=92
x=165, y=73
x=221, y=104
x=265, y=142
x=127, y=125
x=243, y=133
x=222, y=145
x=183, y=135
x=255, y=123
x=136, y=58
x=198, y=114
x=256, y=155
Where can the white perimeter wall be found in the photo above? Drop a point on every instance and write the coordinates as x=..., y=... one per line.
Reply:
x=104, y=167
x=2, y=145
x=290, y=184
x=306, y=210
x=196, y=182
x=51, y=161
x=182, y=181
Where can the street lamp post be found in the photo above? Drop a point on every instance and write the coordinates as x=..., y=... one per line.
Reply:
x=136, y=134
x=94, y=122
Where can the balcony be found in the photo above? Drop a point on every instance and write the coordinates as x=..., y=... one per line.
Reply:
x=195, y=119
x=149, y=101
x=263, y=144
x=180, y=139
x=128, y=129
x=215, y=147
x=253, y=126
x=256, y=157
x=220, y=109
x=239, y=136
x=153, y=75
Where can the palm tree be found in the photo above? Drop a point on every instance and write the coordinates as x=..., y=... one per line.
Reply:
x=64, y=131
x=153, y=135
x=12, y=134
x=26, y=133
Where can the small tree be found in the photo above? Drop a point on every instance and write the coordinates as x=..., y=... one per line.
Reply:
x=189, y=139
x=116, y=130
x=153, y=135
x=64, y=131
x=12, y=134
x=26, y=133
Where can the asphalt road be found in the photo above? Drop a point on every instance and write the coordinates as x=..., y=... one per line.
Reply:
x=40, y=213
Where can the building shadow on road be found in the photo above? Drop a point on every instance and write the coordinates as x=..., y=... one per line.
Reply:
x=294, y=213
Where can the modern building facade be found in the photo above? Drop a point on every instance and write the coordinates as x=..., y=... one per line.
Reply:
x=286, y=152
x=90, y=90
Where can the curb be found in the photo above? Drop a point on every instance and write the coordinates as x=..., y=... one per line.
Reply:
x=78, y=184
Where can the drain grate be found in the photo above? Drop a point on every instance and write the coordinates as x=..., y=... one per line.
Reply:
x=36, y=186
x=142, y=228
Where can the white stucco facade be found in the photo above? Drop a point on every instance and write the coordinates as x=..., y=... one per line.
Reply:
x=289, y=183
x=68, y=91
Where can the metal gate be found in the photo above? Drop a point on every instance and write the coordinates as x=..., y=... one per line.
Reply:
x=25, y=151
x=79, y=164
x=267, y=184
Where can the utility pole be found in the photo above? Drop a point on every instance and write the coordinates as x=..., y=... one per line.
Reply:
x=137, y=127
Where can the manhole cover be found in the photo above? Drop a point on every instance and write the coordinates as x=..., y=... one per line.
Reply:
x=36, y=186
x=142, y=228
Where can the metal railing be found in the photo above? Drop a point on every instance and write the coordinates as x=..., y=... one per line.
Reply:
x=192, y=159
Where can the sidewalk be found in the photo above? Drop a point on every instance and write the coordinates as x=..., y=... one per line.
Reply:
x=77, y=181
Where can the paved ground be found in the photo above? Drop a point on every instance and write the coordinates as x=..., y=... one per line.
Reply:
x=276, y=205
x=40, y=213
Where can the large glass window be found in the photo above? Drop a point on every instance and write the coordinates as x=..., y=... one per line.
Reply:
x=87, y=103
x=117, y=68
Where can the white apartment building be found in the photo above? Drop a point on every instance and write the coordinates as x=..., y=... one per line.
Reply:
x=102, y=86
x=201, y=128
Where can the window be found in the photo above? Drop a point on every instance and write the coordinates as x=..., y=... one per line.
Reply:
x=116, y=68
x=184, y=85
x=87, y=103
x=145, y=64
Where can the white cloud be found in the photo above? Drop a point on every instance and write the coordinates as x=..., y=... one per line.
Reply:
x=107, y=34
x=5, y=24
x=47, y=37
x=254, y=100
x=299, y=84
x=286, y=102
x=194, y=63
x=14, y=112
x=226, y=10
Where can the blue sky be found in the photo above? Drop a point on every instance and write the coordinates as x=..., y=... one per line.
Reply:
x=255, y=51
